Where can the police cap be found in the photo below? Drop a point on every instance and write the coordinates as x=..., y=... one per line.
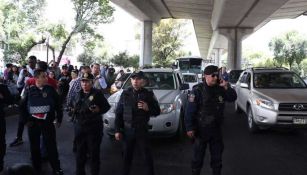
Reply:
x=87, y=77
x=210, y=69
x=138, y=74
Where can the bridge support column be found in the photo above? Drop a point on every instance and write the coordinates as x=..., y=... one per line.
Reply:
x=235, y=37
x=146, y=44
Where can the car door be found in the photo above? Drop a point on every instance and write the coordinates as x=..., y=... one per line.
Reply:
x=245, y=90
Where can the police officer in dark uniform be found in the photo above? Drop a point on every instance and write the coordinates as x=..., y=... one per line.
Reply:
x=135, y=107
x=43, y=110
x=204, y=117
x=5, y=98
x=87, y=107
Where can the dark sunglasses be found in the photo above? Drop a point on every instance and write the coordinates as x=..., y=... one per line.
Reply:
x=214, y=75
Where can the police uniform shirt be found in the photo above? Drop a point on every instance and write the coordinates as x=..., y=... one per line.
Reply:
x=138, y=117
x=214, y=98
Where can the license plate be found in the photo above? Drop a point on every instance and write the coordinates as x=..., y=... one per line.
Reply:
x=300, y=121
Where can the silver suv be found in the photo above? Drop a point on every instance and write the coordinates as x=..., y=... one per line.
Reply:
x=171, y=93
x=272, y=97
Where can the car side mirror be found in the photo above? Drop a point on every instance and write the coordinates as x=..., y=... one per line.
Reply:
x=184, y=87
x=244, y=85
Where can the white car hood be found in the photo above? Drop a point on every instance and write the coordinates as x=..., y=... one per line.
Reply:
x=284, y=95
x=163, y=96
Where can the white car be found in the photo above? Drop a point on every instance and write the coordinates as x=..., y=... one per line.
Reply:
x=170, y=91
x=191, y=79
x=272, y=97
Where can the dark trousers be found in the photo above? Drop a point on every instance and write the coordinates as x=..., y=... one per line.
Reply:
x=47, y=130
x=20, y=127
x=2, y=139
x=88, y=143
x=213, y=138
x=131, y=139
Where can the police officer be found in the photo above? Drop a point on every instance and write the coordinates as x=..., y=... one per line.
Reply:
x=5, y=98
x=204, y=116
x=87, y=107
x=135, y=107
x=42, y=107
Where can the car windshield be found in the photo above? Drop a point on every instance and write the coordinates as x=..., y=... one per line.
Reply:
x=278, y=80
x=190, y=78
x=157, y=80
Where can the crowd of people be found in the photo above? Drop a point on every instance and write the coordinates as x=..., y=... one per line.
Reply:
x=41, y=91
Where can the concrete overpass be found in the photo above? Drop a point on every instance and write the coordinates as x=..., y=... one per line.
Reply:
x=219, y=24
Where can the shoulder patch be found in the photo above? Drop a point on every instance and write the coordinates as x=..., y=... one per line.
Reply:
x=191, y=98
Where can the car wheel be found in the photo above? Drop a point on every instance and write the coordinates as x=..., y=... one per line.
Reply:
x=237, y=108
x=252, y=126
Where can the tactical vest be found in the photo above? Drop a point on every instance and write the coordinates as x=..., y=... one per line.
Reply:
x=134, y=117
x=40, y=102
x=211, y=106
x=82, y=113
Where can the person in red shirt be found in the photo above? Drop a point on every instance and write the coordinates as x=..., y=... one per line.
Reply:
x=52, y=82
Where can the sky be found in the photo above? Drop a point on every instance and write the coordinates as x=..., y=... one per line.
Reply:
x=120, y=34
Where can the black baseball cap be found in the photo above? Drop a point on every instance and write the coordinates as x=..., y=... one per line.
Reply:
x=138, y=74
x=210, y=70
x=87, y=77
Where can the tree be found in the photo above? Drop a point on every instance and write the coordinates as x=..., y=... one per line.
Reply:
x=289, y=48
x=19, y=21
x=121, y=59
x=89, y=13
x=167, y=40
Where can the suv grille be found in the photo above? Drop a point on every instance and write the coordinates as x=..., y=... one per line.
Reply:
x=292, y=107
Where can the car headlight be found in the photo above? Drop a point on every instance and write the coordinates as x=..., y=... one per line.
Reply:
x=167, y=108
x=264, y=103
x=113, y=107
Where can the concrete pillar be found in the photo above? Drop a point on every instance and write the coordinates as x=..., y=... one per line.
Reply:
x=235, y=37
x=218, y=53
x=146, y=44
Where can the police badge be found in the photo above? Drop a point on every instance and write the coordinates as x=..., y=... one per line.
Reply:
x=91, y=98
x=221, y=99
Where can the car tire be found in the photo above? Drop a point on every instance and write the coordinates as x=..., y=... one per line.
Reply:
x=237, y=108
x=252, y=126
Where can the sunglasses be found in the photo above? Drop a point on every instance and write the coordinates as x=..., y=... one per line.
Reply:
x=214, y=75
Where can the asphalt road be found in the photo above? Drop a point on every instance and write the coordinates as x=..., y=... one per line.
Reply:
x=272, y=152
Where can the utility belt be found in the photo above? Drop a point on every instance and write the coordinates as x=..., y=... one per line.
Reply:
x=84, y=117
x=136, y=126
x=206, y=120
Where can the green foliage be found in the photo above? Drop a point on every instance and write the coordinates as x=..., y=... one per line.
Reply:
x=123, y=59
x=167, y=41
x=289, y=48
x=19, y=20
x=86, y=58
x=89, y=14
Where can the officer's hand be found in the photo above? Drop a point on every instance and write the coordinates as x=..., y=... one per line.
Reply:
x=191, y=134
x=143, y=105
x=118, y=136
x=224, y=84
x=57, y=124
x=94, y=108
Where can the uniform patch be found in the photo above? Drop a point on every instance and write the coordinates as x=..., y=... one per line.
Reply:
x=221, y=99
x=45, y=94
x=91, y=98
x=191, y=98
